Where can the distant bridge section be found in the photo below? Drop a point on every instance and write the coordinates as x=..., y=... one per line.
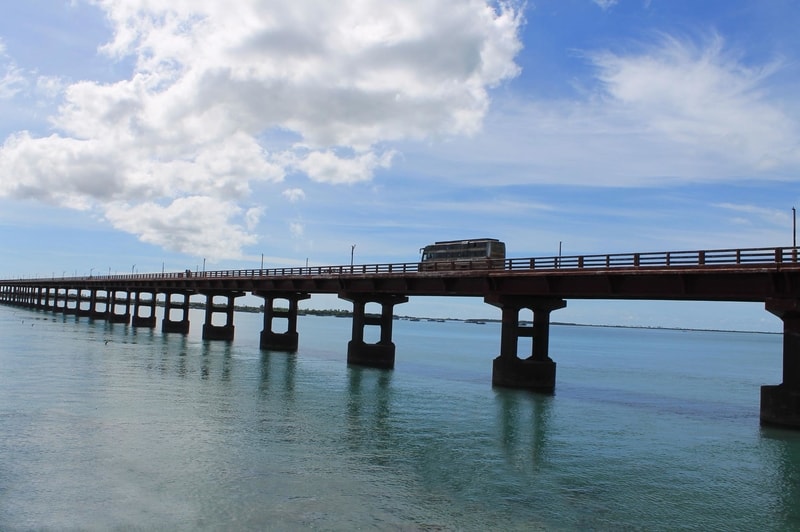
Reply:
x=540, y=284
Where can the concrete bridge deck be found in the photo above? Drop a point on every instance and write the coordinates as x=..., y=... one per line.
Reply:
x=541, y=284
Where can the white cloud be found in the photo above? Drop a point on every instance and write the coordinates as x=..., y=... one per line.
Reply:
x=674, y=111
x=49, y=86
x=294, y=194
x=328, y=167
x=196, y=225
x=777, y=217
x=211, y=78
x=297, y=229
x=606, y=4
x=12, y=79
x=701, y=96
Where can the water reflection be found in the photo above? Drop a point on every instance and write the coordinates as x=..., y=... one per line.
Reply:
x=280, y=367
x=524, y=420
x=784, y=456
x=219, y=353
x=368, y=407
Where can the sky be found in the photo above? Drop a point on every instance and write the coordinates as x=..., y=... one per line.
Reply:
x=143, y=136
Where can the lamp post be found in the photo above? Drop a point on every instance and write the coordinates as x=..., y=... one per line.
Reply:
x=352, y=251
x=559, y=254
x=794, y=227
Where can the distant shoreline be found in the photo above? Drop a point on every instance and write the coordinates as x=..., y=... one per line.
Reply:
x=340, y=313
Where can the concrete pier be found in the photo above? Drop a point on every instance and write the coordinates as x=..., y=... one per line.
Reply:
x=119, y=317
x=140, y=320
x=780, y=404
x=280, y=341
x=60, y=300
x=219, y=332
x=74, y=297
x=96, y=300
x=380, y=354
x=537, y=372
x=168, y=325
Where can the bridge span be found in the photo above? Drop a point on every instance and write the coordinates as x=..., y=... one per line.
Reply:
x=540, y=284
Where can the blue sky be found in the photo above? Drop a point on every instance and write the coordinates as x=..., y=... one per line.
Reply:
x=137, y=137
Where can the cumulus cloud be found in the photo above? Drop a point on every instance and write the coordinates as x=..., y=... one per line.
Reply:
x=328, y=167
x=210, y=79
x=195, y=225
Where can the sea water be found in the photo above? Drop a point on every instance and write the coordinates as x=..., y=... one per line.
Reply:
x=108, y=427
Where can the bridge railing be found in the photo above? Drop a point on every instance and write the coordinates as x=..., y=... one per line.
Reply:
x=666, y=259
x=763, y=257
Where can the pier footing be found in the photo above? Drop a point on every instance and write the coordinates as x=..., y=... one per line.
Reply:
x=218, y=332
x=780, y=406
x=272, y=341
x=371, y=355
x=169, y=326
x=535, y=375
x=143, y=321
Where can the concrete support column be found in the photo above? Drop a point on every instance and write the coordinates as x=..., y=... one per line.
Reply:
x=96, y=300
x=277, y=341
x=169, y=325
x=138, y=320
x=537, y=372
x=780, y=404
x=54, y=305
x=76, y=300
x=381, y=354
x=40, y=301
x=220, y=332
x=113, y=316
x=26, y=296
x=79, y=301
x=64, y=301
x=45, y=300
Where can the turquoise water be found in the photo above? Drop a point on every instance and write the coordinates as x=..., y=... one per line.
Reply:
x=108, y=427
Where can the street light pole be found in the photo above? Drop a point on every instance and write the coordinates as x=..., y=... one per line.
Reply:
x=794, y=227
x=559, y=254
x=352, y=251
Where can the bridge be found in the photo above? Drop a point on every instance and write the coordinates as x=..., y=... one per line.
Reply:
x=540, y=284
